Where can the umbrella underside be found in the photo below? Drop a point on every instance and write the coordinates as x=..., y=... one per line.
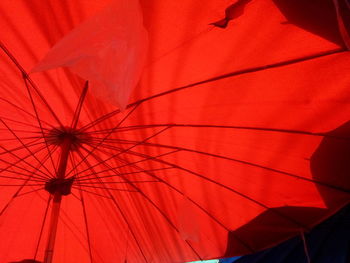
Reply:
x=235, y=139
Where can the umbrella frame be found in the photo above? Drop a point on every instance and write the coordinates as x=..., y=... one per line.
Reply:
x=61, y=185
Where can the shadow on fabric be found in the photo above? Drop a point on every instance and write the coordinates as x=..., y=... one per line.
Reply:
x=329, y=242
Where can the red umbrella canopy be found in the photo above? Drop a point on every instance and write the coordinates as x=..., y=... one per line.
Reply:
x=234, y=99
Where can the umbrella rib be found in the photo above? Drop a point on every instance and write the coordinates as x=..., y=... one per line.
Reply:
x=25, y=75
x=306, y=249
x=228, y=75
x=127, y=128
x=128, y=164
x=228, y=188
x=89, y=153
x=14, y=134
x=52, y=152
x=125, y=165
x=23, y=123
x=17, y=130
x=273, y=170
x=98, y=120
x=96, y=253
x=79, y=106
x=44, y=176
x=219, y=184
x=29, y=144
x=71, y=229
x=77, y=178
x=86, y=223
x=109, y=188
x=8, y=203
x=95, y=175
x=28, y=113
x=75, y=196
x=20, y=185
x=165, y=217
x=90, y=192
x=55, y=147
x=320, y=134
x=111, y=114
x=106, y=160
x=30, y=177
x=16, y=194
x=30, y=192
x=82, y=200
x=38, y=119
x=42, y=226
x=190, y=199
x=128, y=173
x=247, y=163
x=39, y=177
x=119, y=209
x=105, y=182
x=136, y=127
x=96, y=140
x=22, y=179
x=23, y=138
x=22, y=159
x=242, y=72
x=64, y=221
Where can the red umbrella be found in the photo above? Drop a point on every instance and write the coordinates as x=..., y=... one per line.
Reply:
x=220, y=129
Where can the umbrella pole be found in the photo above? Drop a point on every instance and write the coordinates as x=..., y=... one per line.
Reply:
x=57, y=198
x=55, y=212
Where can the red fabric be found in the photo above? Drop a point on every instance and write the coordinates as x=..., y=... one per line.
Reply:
x=224, y=130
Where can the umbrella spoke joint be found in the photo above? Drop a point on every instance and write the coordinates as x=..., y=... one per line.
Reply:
x=62, y=186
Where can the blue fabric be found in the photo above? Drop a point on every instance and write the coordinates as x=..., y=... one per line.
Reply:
x=329, y=242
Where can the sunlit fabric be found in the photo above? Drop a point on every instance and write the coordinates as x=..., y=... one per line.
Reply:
x=222, y=140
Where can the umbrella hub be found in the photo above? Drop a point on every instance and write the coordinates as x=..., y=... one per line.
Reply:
x=57, y=136
x=62, y=186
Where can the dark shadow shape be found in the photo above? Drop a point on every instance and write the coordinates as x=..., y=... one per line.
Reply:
x=270, y=228
x=232, y=12
x=330, y=163
x=329, y=242
x=316, y=16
